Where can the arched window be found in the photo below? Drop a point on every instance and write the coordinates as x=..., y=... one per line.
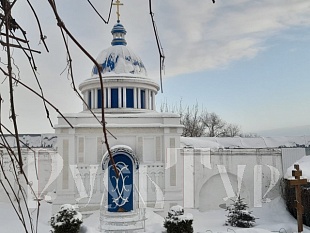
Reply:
x=120, y=189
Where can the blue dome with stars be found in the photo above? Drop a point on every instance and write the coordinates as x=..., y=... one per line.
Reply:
x=118, y=59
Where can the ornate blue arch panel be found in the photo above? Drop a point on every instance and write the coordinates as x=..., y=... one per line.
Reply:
x=120, y=189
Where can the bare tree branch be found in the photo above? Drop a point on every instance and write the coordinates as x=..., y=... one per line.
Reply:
x=62, y=25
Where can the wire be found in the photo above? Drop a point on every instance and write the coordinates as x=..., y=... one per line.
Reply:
x=94, y=8
x=159, y=47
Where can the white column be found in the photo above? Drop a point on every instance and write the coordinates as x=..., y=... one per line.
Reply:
x=105, y=97
x=153, y=101
x=124, y=97
x=119, y=97
x=96, y=98
x=85, y=99
x=147, y=99
x=139, y=98
x=93, y=95
x=135, y=96
x=109, y=97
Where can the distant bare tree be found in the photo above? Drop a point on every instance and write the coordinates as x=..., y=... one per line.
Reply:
x=249, y=135
x=191, y=120
x=232, y=130
x=214, y=125
x=201, y=123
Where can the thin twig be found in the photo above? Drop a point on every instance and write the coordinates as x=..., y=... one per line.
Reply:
x=18, y=46
x=34, y=68
x=7, y=9
x=159, y=47
x=48, y=102
x=106, y=21
x=69, y=65
x=42, y=37
x=62, y=25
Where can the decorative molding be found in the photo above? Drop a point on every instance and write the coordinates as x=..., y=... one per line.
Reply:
x=117, y=150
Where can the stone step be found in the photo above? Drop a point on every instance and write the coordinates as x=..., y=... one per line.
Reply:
x=126, y=222
x=122, y=228
x=124, y=219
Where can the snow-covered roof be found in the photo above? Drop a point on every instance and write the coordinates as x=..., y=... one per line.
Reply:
x=304, y=166
x=119, y=59
x=238, y=142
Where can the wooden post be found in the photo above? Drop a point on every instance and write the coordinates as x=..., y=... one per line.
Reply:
x=297, y=182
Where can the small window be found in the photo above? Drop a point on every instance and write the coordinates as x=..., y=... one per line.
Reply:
x=143, y=99
x=89, y=99
x=114, y=97
x=129, y=98
x=99, y=105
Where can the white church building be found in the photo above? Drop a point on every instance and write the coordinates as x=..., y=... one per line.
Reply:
x=156, y=167
x=138, y=136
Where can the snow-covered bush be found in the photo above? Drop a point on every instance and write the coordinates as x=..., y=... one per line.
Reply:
x=67, y=220
x=238, y=215
x=176, y=221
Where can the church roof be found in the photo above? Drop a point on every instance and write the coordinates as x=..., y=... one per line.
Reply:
x=119, y=59
x=245, y=143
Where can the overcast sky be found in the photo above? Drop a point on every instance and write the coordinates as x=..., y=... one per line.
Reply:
x=246, y=60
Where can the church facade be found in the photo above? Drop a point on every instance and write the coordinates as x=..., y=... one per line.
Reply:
x=137, y=134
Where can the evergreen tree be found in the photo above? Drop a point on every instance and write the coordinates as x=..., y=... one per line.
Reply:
x=67, y=220
x=238, y=215
x=176, y=221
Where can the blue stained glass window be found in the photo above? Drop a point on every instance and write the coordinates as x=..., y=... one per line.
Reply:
x=142, y=96
x=114, y=97
x=99, y=98
x=129, y=98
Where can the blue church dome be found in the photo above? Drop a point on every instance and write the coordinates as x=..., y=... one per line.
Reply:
x=119, y=59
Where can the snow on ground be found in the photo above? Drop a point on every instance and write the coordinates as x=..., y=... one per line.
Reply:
x=272, y=217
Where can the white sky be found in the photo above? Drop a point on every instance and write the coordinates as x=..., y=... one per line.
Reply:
x=246, y=60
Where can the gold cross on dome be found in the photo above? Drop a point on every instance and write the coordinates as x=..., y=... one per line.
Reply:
x=117, y=4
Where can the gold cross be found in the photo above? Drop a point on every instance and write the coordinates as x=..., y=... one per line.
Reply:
x=117, y=4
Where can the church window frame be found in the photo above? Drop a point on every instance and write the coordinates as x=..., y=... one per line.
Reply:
x=114, y=97
x=99, y=102
x=143, y=99
x=89, y=102
x=129, y=97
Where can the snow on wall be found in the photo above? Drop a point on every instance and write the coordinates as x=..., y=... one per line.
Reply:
x=238, y=142
x=33, y=140
x=229, y=171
